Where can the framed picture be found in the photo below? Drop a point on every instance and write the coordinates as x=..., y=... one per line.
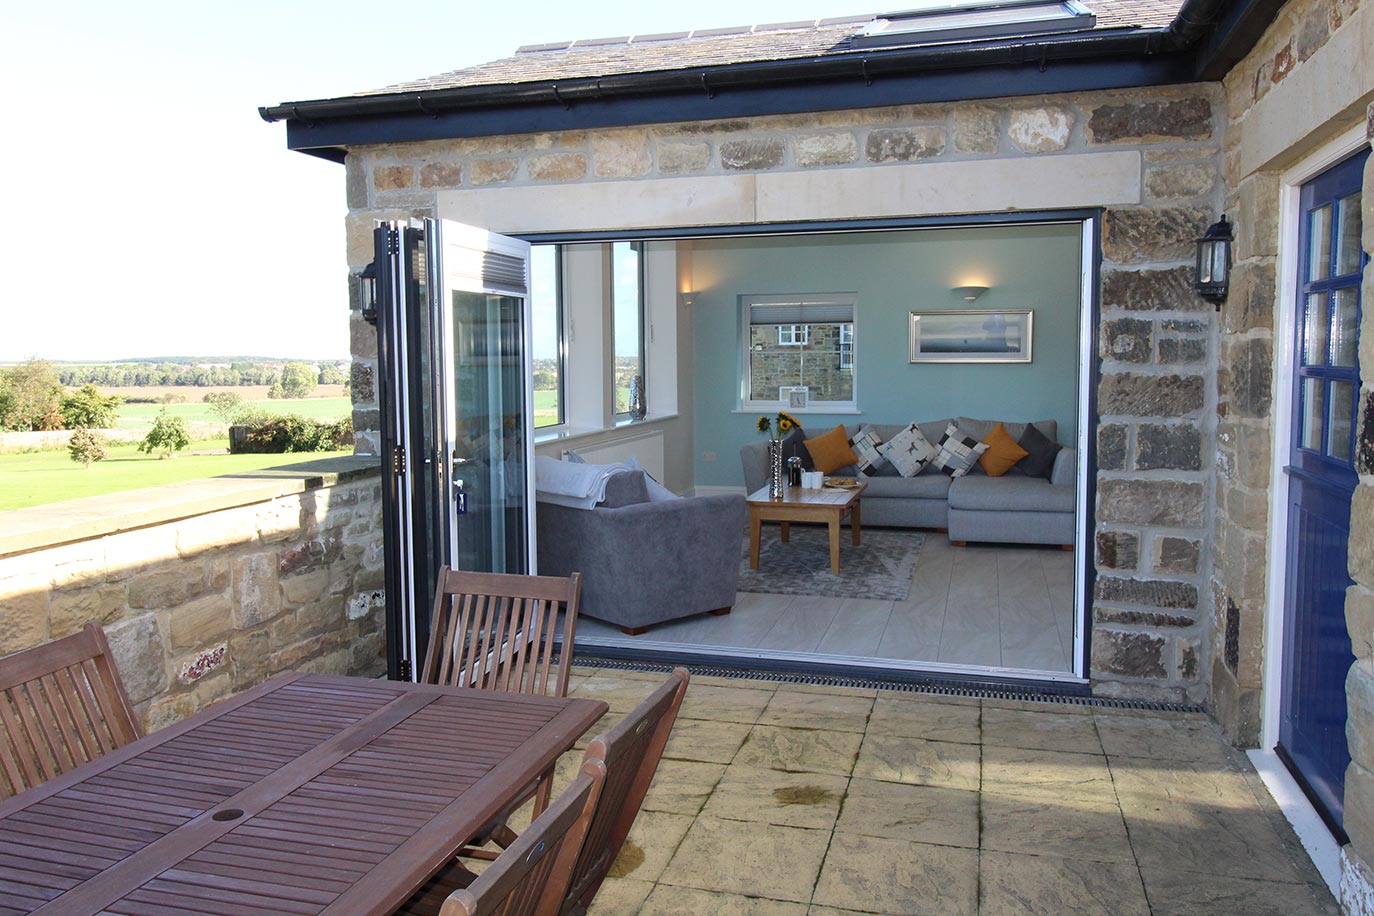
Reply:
x=971, y=336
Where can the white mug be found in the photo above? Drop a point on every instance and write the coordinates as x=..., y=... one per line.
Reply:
x=813, y=480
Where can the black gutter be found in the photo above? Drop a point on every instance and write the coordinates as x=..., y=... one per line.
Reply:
x=866, y=66
x=328, y=138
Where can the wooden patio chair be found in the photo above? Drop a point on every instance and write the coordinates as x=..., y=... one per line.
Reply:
x=494, y=631
x=630, y=751
x=62, y=704
x=531, y=877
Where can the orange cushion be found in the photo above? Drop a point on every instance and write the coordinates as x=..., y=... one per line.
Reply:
x=1002, y=452
x=831, y=451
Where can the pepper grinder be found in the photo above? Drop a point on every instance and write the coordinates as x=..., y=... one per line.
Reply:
x=794, y=471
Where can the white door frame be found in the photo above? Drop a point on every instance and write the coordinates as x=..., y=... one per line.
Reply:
x=1321, y=846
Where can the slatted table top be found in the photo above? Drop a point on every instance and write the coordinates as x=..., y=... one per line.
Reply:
x=311, y=794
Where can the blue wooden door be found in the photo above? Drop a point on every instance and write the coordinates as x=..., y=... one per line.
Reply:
x=1321, y=481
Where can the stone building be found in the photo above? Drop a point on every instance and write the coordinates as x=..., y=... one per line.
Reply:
x=1143, y=127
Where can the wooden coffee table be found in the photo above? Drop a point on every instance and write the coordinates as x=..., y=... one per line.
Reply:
x=799, y=504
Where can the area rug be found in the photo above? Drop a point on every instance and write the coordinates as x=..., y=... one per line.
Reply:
x=880, y=568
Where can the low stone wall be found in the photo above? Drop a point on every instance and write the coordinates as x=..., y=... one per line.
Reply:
x=252, y=576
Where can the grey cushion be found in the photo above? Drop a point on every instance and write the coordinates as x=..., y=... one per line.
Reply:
x=625, y=489
x=1040, y=452
x=1009, y=494
x=922, y=486
x=980, y=428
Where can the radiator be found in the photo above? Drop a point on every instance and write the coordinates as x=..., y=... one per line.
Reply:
x=646, y=446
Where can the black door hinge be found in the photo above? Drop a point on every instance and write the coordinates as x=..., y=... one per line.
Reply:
x=398, y=460
x=403, y=672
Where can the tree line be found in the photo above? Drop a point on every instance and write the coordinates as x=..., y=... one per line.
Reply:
x=33, y=395
x=139, y=375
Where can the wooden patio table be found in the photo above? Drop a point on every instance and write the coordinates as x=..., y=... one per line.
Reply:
x=309, y=794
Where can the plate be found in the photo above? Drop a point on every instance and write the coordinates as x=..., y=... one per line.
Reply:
x=841, y=483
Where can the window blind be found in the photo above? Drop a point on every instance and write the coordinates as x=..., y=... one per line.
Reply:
x=801, y=312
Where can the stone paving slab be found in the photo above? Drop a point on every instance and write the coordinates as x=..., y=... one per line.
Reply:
x=902, y=804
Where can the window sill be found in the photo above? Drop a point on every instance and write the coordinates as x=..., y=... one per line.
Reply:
x=782, y=408
x=571, y=433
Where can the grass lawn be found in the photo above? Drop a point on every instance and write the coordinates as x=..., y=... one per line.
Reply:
x=39, y=478
x=545, y=408
x=140, y=416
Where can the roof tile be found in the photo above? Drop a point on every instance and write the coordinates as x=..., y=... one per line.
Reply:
x=591, y=58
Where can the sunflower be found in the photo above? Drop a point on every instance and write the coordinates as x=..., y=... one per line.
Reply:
x=764, y=425
x=784, y=425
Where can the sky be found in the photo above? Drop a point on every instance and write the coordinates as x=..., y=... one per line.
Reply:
x=151, y=212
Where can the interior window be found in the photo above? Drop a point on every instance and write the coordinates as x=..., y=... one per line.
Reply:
x=548, y=353
x=802, y=341
x=627, y=303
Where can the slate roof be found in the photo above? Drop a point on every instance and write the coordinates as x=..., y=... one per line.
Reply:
x=720, y=47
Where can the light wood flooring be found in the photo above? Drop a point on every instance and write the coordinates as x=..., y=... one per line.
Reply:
x=988, y=605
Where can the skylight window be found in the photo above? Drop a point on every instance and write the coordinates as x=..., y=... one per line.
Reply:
x=940, y=20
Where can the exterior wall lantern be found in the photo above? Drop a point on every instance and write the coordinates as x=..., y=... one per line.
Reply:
x=1214, y=261
x=367, y=288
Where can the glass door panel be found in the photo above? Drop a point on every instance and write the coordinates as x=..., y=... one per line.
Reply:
x=490, y=465
x=1345, y=327
x=1340, y=420
x=1319, y=251
x=1314, y=330
x=1313, y=413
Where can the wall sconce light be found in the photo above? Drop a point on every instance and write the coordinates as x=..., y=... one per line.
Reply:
x=969, y=293
x=367, y=290
x=687, y=299
x=1214, y=261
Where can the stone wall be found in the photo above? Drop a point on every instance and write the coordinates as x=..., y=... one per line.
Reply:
x=1308, y=80
x=1157, y=339
x=1290, y=95
x=816, y=364
x=199, y=608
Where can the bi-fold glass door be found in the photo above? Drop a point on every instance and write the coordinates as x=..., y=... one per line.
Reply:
x=453, y=335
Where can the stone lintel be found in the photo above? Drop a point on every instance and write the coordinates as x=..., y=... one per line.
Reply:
x=591, y=206
x=1051, y=182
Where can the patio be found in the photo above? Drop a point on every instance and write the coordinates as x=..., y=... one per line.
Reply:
x=796, y=799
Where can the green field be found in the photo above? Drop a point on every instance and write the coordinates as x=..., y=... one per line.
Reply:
x=545, y=408
x=140, y=416
x=39, y=478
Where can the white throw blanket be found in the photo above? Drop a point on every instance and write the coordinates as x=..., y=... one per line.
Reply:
x=581, y=486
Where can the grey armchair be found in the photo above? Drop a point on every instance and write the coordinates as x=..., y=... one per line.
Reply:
x=648, y=562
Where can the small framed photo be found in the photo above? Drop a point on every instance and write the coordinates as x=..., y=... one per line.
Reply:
x=972, y=336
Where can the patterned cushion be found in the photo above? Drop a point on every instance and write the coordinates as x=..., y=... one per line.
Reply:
x=865, y=445
x=909, y=451
x=958, y=452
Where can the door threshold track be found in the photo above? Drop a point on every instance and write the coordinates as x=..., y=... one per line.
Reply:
x=968, y=686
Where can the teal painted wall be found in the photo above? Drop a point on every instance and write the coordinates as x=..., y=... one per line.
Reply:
x=893, y=273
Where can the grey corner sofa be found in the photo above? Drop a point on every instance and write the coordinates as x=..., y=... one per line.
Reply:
x=645, y=562
x=1014, y=508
